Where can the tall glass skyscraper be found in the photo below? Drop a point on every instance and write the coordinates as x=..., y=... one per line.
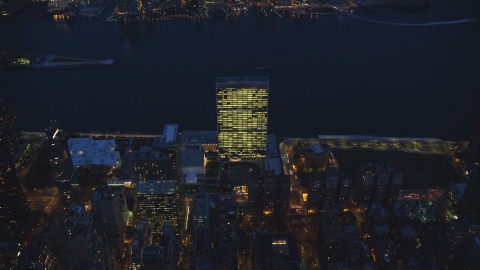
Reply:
x=242, y=110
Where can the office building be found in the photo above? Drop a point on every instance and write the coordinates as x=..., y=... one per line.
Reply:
x=207, y=140
x=86, y=248
x=473, y=149
x=472, y=260
x=192, y=161
x=315, y=196
x=14, y=210
x=269, y=189
x=201, y=254
x=152, y=257
x=201, y=208
x=38, y=257
x=157, y=204
x=109, y=202
x=471, y=198
x=61, y=164
x=255, y=188
x=242, y=114
x=224, y=234
x=331, y=185
x=171, y=247
x=277, y=251
x=365, y=188
x=157, y=185
x=284, y=194
x=317, y=156
x=10, y=133
x=142, y=238
x=354, y=253
x=456, y=243
x=150, y=164
x=395, y=185
x=330, y=233
x=167, y=144
x=453, y=200
x=272, y=175
x=345, y=197
x=383, y=172
x=271, y=179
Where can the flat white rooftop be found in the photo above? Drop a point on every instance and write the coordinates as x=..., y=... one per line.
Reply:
x=168, y=138
x=87, y=151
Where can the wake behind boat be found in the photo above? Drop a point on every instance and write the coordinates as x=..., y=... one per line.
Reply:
x=414, y=24
x=53, y=61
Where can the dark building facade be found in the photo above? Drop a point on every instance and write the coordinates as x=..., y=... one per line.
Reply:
x=473, y=150
x=61, y=164
x=14, y=210
x=458, y=241
x=471, y=199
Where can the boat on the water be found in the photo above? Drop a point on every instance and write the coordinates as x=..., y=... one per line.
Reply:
x=53, y=61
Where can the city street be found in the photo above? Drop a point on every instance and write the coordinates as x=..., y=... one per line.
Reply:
x=306, y=245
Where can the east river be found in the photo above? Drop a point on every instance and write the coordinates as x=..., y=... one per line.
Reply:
x=328, y=76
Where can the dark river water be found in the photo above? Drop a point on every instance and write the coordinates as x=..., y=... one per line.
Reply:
x=328, y=76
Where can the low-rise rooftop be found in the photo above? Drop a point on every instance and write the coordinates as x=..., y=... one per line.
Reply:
x=87, y=151
x=273, y=164
x=168, y=138
x=199, y=138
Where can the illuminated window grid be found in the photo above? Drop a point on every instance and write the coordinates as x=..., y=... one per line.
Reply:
x=242, y=121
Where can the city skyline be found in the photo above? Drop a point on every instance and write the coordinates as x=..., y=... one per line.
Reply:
x=246, y=178
x=326, y=87
x=182, y=223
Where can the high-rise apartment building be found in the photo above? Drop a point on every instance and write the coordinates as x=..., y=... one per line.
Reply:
x=14, y=209
x=242, y=110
